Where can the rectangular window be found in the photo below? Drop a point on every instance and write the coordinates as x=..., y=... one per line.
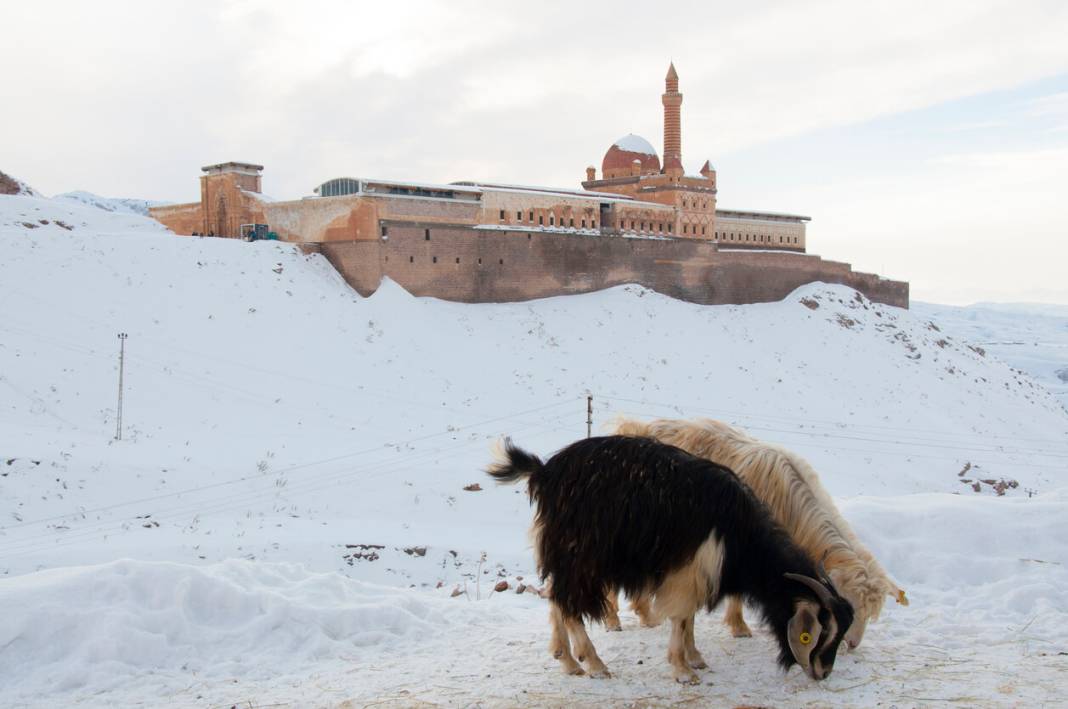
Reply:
x=457, y=259
x=502, y=215
x=571, y=222
x=519, y=216
x=531, y=216
x=541, y=220
x=426, y=234
x=385, y=230
x=583, y=223
x=411, y=259
x=435, y=259
x=552, y=220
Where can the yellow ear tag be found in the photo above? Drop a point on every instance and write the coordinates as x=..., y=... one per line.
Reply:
x=805, y=638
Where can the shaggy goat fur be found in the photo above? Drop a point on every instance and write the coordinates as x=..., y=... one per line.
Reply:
x=791, y=489
x=635, y=514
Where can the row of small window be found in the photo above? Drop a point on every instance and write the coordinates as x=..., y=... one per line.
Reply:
x=693, y=204
x=686, y=229
x=640, y=226
x=757, y=238
x=552, y=220
x=434, y=259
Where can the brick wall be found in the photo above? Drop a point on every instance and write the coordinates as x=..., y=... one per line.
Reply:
x=179, y=218
x=470, y=265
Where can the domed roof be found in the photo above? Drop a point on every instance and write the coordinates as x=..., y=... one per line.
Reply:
x=621, y=156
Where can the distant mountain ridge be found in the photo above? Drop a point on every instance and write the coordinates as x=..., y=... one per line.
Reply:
x=124, y=205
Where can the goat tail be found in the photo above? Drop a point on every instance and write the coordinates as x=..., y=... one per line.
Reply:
x=898, y=594
x=512, y=463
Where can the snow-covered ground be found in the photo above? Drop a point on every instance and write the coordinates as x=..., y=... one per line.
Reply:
x=285, y=520
x=1031, y=337
x=109, y=204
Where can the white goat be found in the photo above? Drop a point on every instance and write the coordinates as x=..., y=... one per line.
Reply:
x=791, y=489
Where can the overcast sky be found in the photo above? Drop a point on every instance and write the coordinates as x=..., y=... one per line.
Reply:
x=927, y=140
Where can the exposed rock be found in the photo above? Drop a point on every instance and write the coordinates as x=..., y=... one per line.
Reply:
x=12, y=186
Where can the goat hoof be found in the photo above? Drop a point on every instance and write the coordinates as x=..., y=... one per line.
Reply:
x=687, y=678
x=576, y=670
x=699, y=664
x=601, y=673
x=614, y=628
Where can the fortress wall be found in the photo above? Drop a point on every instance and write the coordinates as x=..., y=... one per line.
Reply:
x=514, y=266
x=180, y=218
x=759, y=276
x=356, y=261
x=322, y=220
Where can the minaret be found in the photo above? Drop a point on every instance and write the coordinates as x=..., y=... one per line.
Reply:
x=672, y=124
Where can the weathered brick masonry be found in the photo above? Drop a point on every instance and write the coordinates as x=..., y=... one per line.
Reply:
x=472, y=266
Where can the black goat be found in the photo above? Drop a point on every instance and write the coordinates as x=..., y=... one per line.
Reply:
x=633, y=514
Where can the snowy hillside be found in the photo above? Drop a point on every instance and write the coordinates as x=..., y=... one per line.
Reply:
x=125, y=205
x=1030, y=337
x=295, y=458
x=23, y=214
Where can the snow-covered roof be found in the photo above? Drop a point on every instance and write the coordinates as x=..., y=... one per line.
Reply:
x=455, y=187
x=568, y=191
x=635, y=144
x=258, y=195
x=753, y=214
x=607, y=197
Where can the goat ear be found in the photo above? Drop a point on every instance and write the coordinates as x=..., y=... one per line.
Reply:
x=803, y=632
x=899, y=596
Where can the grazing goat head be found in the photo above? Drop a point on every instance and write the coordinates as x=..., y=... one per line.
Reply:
x=816, y=629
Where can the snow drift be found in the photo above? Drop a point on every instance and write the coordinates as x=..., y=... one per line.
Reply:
x=272, y=417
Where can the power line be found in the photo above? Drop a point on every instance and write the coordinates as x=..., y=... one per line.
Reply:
x=869, y=451
x=31, y=544
x=679, y=407
x=288, y=469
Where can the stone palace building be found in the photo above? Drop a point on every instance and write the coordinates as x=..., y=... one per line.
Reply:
x=643, y=220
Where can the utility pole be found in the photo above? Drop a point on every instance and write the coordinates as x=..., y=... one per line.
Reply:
x=122, y=356
x=589, y=415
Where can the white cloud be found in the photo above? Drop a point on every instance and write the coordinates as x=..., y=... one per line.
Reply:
x=130, y=98
x=961, y=228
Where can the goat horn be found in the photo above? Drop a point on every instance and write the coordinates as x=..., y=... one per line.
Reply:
x=823, y=569
x=818, y=588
